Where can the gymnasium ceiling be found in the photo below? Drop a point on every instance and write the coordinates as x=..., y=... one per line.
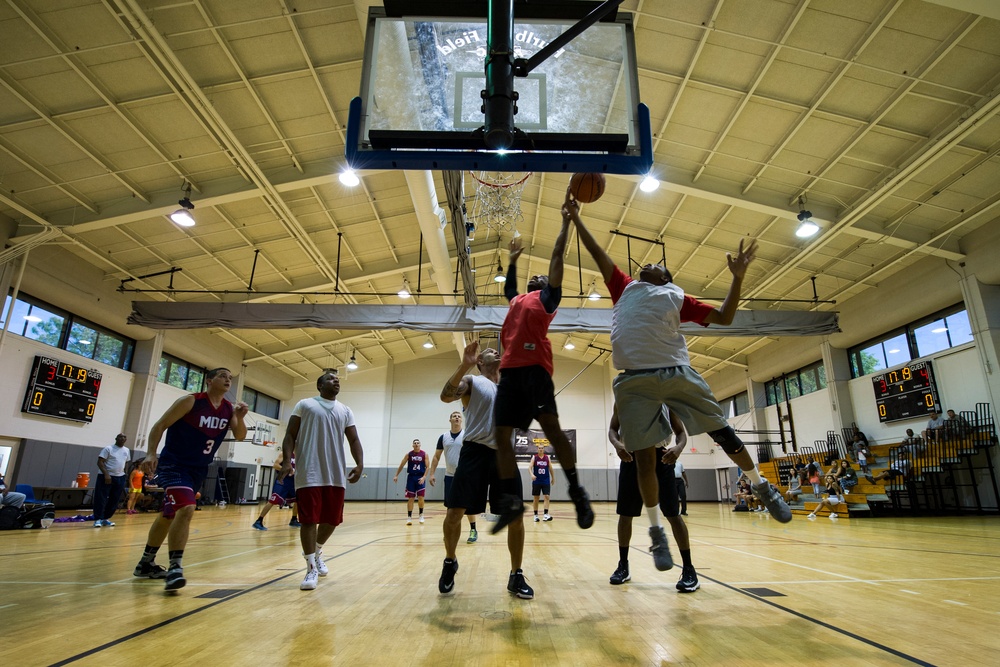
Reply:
x=880, y=114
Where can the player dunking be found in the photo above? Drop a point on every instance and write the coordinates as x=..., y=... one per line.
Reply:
x=476, y=476
x=195, y=425
x=415, y=461
x=315, y=438
x=526, y=391
x=648, y=348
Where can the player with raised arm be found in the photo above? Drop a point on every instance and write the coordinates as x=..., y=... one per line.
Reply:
x=526, y=391
x=476, y=477
x=647, y=346
x=195, y=426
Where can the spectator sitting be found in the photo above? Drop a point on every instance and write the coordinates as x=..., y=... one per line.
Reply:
x=833, y=497
x=934, y=427
x=744, y=494
x=12, y=498
x=913, y=443
x=846, y=476
x=794, y=486
x=899, y=466
x=956, y=423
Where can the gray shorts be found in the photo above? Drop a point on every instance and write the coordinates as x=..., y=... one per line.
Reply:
x=641, y=395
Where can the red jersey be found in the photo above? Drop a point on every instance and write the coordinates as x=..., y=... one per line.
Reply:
x=524, y=333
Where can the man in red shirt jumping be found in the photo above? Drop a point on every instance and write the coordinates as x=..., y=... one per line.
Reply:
x=526, y=391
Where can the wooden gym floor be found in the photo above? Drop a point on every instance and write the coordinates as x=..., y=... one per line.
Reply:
x=846, y=592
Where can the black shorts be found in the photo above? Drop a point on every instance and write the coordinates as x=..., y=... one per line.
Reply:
x=629, y=498
x=522, y=395
x=543, y=489
x=476, y=480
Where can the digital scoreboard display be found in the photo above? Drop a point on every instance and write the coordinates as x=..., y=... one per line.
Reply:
x=905, y=393
x=58, y=389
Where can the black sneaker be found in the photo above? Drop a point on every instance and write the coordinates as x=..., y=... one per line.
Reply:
x=294, y=523
x=149, y=571
x=259, y=525
x=519, y=587
x=661, y=550
x=446, y=584
x=584, y=515
x=175, y=579
x=621, y=575
x=688, y=583
x=772, y=500
x=510, y=507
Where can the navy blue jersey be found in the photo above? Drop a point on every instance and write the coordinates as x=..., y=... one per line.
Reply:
x=194, y=438
x=540, y=469
x=417, y=464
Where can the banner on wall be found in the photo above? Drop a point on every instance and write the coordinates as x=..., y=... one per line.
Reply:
x=526, y=443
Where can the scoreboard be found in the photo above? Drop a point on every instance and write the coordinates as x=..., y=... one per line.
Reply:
x=58, y=389
x=906, y=393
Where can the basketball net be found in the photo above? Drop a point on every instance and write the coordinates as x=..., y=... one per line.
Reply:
x=497, y=202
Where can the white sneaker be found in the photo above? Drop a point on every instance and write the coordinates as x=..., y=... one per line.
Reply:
x=833, y=515
x=547, y=517
x=421, y=518
x=98, y=524
x=537, y=519
x=811, y=516
x=311, y=580
x=409, y=521
x=320, y=565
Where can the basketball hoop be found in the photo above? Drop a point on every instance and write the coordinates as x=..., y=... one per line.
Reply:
x=497, y=202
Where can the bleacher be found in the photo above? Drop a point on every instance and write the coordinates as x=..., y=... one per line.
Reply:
x=942, y=479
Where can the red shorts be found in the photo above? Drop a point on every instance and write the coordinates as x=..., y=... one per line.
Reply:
x=321, y=504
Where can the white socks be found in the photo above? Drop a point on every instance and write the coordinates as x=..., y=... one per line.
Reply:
x=654, y=515
x=754, y=476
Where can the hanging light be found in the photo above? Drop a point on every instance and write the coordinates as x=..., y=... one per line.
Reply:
x=594, y=295
x=568, y=345
x=404, y=293
x=349, y=178
x=428, y=344
x=807, y=227
x=649, y=184
x=352, y=365
x=182, y=216
x=500, y=277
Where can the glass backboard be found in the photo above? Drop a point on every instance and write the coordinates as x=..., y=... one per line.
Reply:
x=421, y=106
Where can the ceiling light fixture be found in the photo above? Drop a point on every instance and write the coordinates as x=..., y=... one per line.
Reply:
x=807, y=227
x=569, y=344
x=499, y=277
x=649, y=184
x=349, y=178
x=352, y=365
x=182, y=216
x=429, y=343
x=404, y=293
x=594, y=295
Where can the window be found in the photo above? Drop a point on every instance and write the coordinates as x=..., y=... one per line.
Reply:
x=804, y=381
x=261, y=403
x=921, y=338
x=39, y=321
x=181, y=374
x=735, y=405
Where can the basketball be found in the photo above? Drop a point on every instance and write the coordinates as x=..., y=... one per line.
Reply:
x=197, y=496
x=587, y=188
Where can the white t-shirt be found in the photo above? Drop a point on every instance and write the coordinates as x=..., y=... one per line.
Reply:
x=115, y=459
x=678, y=469
x=479, y=412
x=319, y=448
